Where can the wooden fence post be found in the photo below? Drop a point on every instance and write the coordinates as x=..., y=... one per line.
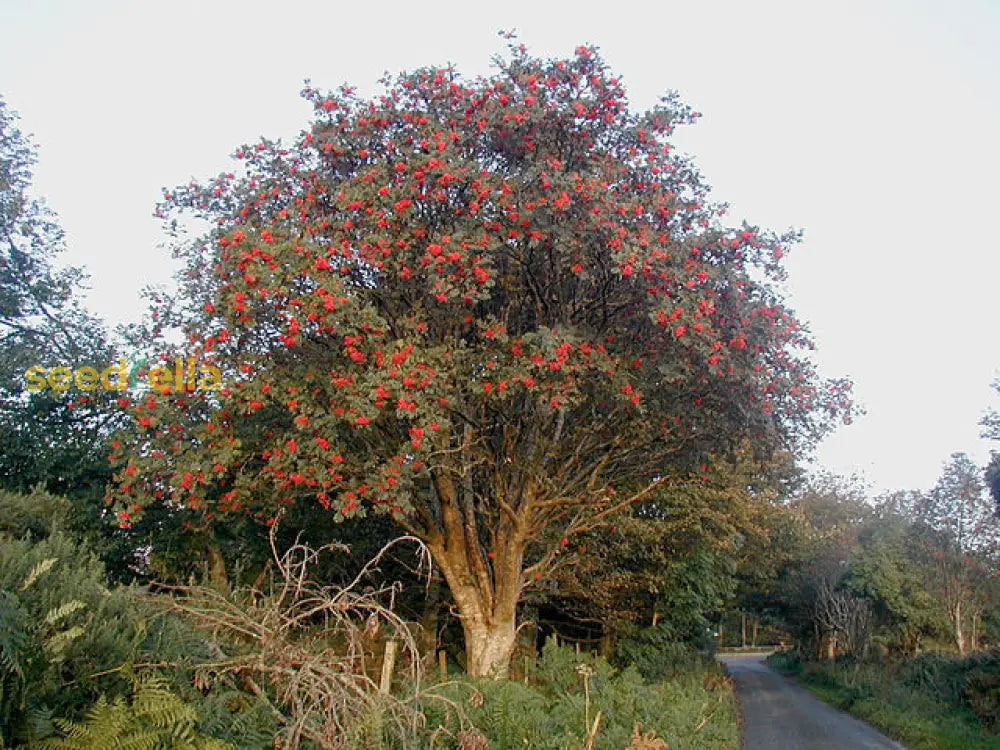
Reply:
x=388, y=666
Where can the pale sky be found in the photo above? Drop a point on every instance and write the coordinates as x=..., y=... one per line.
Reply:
x=872, y=125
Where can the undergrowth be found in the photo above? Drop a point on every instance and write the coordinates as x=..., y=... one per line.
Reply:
x=568, y=695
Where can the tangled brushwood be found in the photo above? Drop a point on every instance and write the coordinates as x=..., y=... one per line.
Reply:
x=313, y=651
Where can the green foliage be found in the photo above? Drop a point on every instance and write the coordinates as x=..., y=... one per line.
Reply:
x=68, y=640
x=957, y=507
x=152, y=719
x=60, y=625
x=513, y=715
x=886, y=568
x=68, y=643
x=235, y=716
x=56, y=439
x=982, y=687
x=36, y=513
x=673, y=556
x=914, y=571
x=694, y=708
x=992, y=478
x=936, y=673
x=973, y=681
x=991, y=430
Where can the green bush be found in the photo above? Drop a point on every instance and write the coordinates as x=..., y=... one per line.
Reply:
x=935, y=673
x=68, y=640
x=153, y=717
x=973, y=681
x=982, y=687
x=35, y=514
x=788, y=662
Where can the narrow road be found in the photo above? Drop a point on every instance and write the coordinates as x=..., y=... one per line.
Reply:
x=779, y=715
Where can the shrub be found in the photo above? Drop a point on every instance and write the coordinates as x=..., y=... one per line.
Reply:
x=930, y=702
x=789, y=662
x=935, y=673
x=982, y=687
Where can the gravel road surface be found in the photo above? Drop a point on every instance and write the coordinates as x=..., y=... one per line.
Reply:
x=779, y=715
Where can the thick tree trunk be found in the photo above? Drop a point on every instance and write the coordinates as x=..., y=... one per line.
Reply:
x=486, y=595
x=484, y=572
x=488, y=623
x=488, y=648
x=743, y=629
x=756, y=626
x=489, y=626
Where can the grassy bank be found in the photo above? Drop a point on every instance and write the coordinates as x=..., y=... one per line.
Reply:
x=931, y=702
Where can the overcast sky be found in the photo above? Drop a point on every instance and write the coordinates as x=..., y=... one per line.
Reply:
x=872, y=125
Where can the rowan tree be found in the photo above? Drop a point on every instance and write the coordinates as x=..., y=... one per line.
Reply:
x=499, y=310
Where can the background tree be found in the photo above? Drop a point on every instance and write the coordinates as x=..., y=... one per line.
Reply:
x=498, y=310
x=885, y=568
x=991, y=430
x=818, y=533
x=57, y=439
x=961, y=542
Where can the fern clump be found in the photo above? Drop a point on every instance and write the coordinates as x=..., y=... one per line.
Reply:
x=152, y=719
x=61, y=631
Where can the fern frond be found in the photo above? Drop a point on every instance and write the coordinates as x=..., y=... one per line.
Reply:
x=61, y=640
x=62, y=612
x=38, y=571
x=161, y=708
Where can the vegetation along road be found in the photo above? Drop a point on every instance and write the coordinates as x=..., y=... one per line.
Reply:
x=779, y=714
